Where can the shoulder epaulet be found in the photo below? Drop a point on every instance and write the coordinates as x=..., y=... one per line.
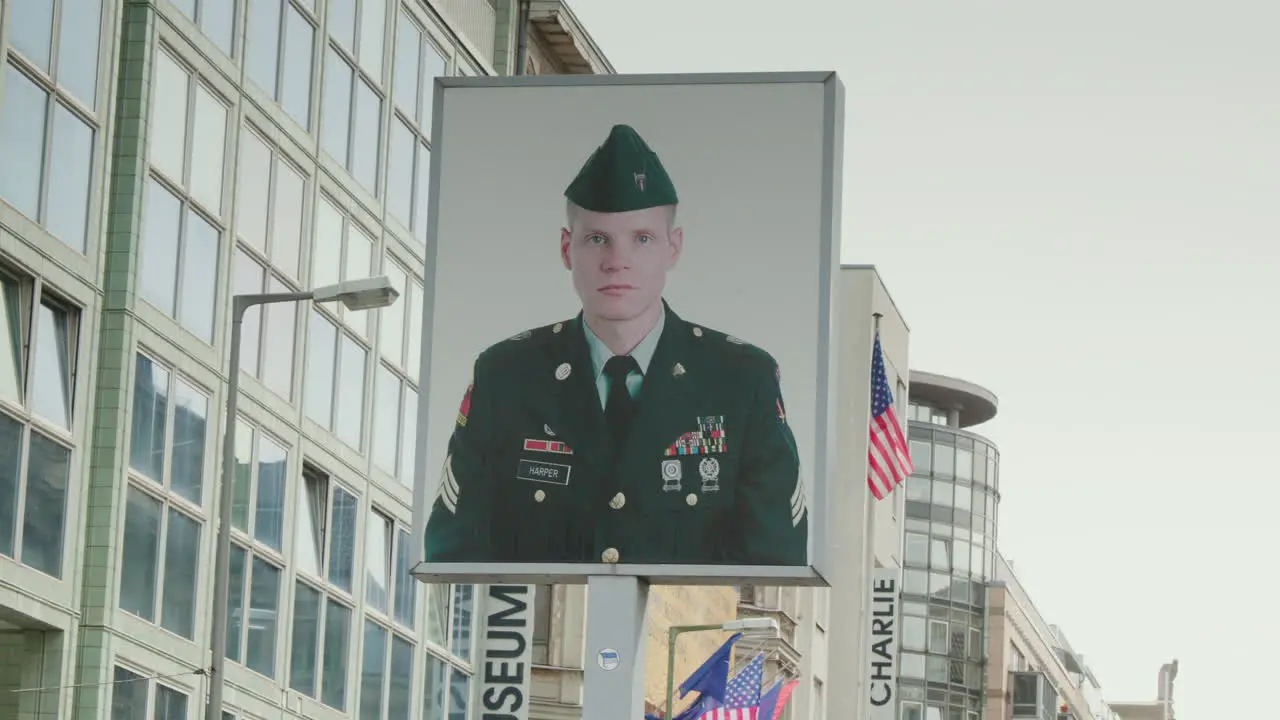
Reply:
x=532, y=335
x=718, y=341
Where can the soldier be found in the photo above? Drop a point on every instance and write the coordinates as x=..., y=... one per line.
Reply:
x=625, y=434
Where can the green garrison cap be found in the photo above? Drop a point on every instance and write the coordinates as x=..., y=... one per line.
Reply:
x=622, y=175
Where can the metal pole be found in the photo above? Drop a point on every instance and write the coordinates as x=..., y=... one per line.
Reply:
x=672, y=633
x=222, y=557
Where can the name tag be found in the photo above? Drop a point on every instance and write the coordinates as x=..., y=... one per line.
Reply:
x=543, y=472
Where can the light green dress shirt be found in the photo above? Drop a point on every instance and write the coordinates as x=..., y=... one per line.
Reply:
x=643, y=353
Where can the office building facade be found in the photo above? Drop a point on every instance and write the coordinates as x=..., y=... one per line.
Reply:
x=949, y=549
x=1033, y=672
x=160, y=156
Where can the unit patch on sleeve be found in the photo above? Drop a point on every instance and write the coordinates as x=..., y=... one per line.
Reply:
x=465, y=408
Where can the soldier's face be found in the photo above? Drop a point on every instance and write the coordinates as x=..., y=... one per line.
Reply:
x=620, y=261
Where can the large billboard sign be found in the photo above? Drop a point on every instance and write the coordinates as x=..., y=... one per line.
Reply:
x=627, y=352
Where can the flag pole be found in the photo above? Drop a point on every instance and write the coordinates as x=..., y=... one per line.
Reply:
x=876, y=319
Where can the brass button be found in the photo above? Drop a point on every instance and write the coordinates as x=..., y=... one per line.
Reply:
x=691, y=499
x=697, y=332
x=618, y=501
x=610, y=555
x=540, y=495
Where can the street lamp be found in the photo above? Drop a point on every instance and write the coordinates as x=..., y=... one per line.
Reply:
x=363, y=294
x=748, y=626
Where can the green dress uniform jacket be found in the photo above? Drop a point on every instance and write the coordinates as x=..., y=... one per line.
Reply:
x=708, y=474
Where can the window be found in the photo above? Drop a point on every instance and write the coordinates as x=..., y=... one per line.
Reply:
x=975, y=644
x=391, y=598
x=915, y=582
x=257, y=517
x=386, y=675
x=395, y=403
x=542, y=603
x=378, y=561
x=418, y=63
x=188, y=132
x=268, y=258
x=215, y=18
x=938, y=637
x=37, y=386
x=181, y=230
x=48, y=54
x=167, y=443
x=920, y=456
x=917, y=549
x=912, y=665
x=449, y=627
x=912, y=711
x=337, y=356
x=351, y=127
x=280, y=37
x=964, y=464
x=131, y=693
x=325, y=553
x=940, y=554
x=944, y=459
x=47, y=115
x=913, y=633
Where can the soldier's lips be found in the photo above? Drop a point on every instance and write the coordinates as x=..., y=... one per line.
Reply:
x=615, y=290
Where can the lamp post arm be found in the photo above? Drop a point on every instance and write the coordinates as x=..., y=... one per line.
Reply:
x=672, y=633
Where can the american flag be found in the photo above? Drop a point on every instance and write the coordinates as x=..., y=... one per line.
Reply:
x=741, y=694
x=888, y=458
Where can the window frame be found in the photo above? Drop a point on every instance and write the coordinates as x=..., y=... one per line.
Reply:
x=400, y=371
x=160, y=490
x=275, y=278
x=197, y=20
x=275, y=94
x=415, y=229
x=245, y=540
x=391, y=634
x=92, y=115
x=152, y=683
x=189, y=203
x=351, y=57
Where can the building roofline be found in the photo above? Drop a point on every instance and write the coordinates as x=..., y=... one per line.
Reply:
x=975, y=403
x=581, y=53
x=879, y=276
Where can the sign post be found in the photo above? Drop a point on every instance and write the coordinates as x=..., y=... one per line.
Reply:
x=614, y=674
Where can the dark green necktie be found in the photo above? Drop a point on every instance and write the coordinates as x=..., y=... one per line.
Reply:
x=619, y=407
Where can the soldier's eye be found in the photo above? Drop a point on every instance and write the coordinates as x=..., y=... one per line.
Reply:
x=595, y=239
x=644, y=239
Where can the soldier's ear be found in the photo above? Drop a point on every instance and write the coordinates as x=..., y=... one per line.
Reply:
x=566, y=238
x=677, y=245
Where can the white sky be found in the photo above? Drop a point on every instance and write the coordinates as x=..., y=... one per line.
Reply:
x=1076, y=205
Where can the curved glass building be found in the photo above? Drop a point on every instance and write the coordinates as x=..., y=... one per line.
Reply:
x=948, y=549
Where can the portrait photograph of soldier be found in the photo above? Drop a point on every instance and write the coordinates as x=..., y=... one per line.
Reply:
x=628, y=329
x=620, y=431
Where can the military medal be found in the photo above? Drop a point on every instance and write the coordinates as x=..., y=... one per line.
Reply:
x=707, y=439
x=678, y=370
x=709, y=469
x=671, y=474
